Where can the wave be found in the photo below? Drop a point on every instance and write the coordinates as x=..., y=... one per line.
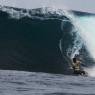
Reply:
x=41, y=39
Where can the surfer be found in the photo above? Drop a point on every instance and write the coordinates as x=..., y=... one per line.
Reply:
x=76, y=65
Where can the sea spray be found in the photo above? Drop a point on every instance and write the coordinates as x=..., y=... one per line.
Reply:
x=73, y=50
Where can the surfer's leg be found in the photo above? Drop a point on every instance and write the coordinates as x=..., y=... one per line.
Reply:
x=77, y=72
x=80, y=72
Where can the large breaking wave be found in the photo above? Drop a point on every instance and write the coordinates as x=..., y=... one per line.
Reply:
x=43, y=39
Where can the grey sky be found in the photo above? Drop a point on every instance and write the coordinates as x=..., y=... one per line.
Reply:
x=80, y=5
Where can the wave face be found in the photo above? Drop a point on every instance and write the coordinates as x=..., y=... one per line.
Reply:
x=41, y=39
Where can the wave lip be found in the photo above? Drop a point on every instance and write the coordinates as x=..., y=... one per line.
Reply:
x=47, y=12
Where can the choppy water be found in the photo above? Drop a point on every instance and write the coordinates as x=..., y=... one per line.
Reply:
x=32, y=83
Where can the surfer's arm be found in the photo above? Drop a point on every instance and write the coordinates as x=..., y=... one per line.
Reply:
x=72, y=64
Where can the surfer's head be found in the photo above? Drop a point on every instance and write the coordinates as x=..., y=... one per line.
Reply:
x=74, y=60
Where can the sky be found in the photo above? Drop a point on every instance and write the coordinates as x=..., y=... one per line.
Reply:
x=79, y=5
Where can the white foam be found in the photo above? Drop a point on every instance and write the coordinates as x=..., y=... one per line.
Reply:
x=87, y=32
x=90, y=71
x=19, y=13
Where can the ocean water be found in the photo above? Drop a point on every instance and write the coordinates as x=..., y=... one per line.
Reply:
x=33, y=83
x=37, y=47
